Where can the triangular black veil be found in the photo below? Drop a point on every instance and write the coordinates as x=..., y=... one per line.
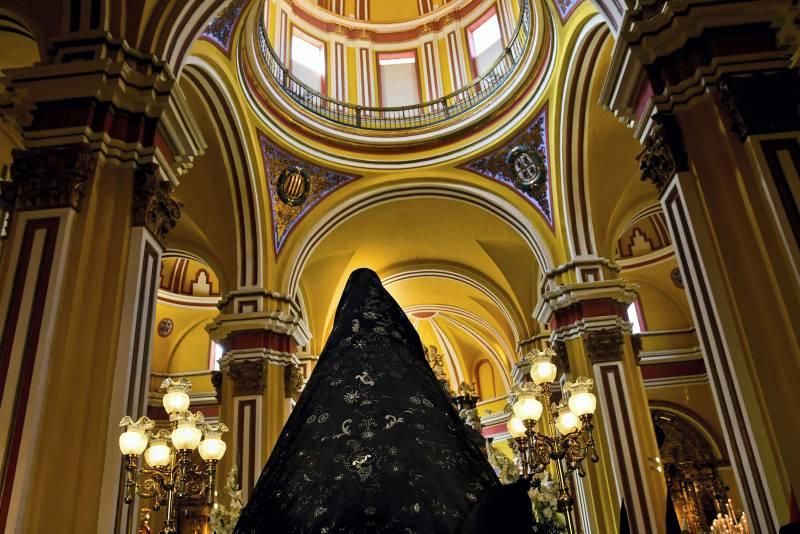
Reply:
x=374, y=444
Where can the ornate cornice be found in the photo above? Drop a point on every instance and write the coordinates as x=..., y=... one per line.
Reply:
x=669, y=53
x=568, y=303
x=663, y=155
x=116, y=99
x=248, y=376
x=153, y=206
x=604, y=345
x=46, y=178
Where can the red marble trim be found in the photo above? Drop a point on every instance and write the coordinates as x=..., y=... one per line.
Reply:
x=31, y=333
x=258, y=339
x=673, y=369
x=589, y=308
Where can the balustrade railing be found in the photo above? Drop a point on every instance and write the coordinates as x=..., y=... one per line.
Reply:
x=402, y=117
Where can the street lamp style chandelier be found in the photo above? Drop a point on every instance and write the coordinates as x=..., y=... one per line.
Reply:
x=568, y=441
x=170, y=472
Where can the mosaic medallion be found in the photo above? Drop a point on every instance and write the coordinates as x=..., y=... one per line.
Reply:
x=295, y=187
x=522, y=165
x=165, y=327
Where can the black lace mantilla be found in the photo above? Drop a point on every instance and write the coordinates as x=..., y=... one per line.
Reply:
x=374, y=444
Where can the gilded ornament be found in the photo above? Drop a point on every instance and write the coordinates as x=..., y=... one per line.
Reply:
x=662, y=155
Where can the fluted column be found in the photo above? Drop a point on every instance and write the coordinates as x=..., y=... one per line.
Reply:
x=90, y=202
x=713, y=93
x=260, y=332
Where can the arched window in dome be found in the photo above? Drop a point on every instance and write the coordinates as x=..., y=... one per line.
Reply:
x=485, y=41
x=399, y=79
x=308, y=60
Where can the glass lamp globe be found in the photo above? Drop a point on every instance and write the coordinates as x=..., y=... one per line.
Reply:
x=157, y=454
x=527, y=407
x=212, y=448
x=567, y=422
x=132, y=442
x=186, y=435
x=176, y=400
x=543, y=370
x=516, y=427
x=581, y=400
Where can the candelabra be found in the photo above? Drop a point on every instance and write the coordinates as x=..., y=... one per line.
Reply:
x=569, y=441
x=170, y=472
x=728, y=523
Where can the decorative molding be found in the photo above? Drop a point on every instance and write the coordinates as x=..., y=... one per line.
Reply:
x=153, y=206
x=44, y=178
x=562, y=357
x=636, y=345
x=292, y=381
x=221, y=28
x=498, y=164
x=216, y=381
x=605, y=345
x=662, y=154
x=322, y=182
x=248, y=376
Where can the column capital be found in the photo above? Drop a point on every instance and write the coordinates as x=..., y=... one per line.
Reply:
x=604, y=345
x=247, y=375
x=663, y=154
x=153, y=205
x=53, y=177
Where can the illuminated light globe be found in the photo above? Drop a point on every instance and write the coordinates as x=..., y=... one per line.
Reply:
x=186, y=436
x=158, y=454
x=527, y=407
x=176, y=399
x=581, y=400
x=516, y=427
x=134, y=440
x=567, y=422
x=212, y=448
x=543, y=370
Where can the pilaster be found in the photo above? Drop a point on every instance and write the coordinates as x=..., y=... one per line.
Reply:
x=260, y=332
x=590, y=331
x=712, y=93
x=91, y=207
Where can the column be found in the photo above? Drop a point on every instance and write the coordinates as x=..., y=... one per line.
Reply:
x=260, y=332
x=590, y=332
x=91, y=206
x=718, y=118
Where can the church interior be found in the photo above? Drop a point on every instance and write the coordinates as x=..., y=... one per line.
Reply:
x=608, y=187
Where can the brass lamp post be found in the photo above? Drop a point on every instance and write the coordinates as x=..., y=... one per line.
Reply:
x=170, y=472
x=568, y=441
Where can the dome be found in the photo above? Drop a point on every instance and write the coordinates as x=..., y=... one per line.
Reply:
x=394, y=75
